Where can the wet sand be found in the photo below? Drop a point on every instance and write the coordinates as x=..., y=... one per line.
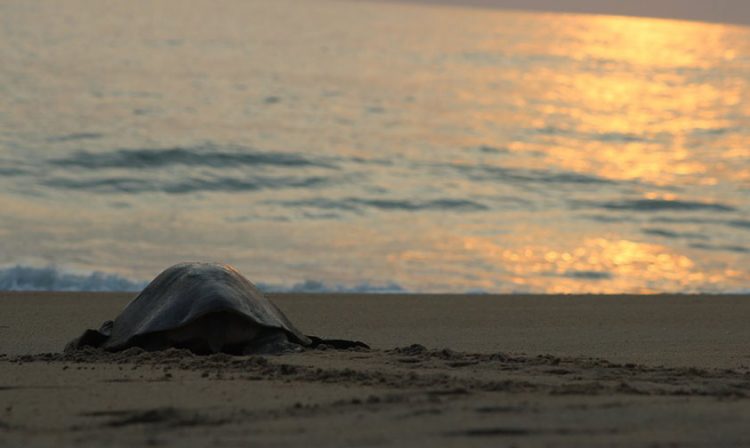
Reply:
x=442, y=371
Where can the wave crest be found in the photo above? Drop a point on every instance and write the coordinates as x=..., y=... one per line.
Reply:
x=206, y=156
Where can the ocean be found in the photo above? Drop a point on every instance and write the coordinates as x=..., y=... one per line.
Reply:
x=377, y=147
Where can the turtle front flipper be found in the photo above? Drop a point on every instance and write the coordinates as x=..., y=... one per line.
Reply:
x=91, y=338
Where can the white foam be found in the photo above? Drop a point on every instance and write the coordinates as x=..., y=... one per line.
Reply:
x=317, y=286
x=51, y=278
x=29, y=278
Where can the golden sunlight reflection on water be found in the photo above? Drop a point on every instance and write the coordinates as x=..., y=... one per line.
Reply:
x=643, y=90
x=607, y=263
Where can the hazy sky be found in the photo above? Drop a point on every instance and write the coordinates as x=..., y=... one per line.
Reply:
x=729, y=11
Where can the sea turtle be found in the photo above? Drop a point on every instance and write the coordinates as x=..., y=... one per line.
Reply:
x=206, y=308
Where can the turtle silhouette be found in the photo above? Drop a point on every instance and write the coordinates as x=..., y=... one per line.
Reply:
x=206, y=308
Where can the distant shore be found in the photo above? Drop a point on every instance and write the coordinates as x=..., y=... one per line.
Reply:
x=443, y=371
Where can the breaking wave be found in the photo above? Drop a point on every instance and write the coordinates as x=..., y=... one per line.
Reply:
x=29, y=278
x=316, y=286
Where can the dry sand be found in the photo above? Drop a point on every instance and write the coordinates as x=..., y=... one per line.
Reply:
x=443, y=371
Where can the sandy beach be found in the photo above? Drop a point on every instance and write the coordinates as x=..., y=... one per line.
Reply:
x=442, y=371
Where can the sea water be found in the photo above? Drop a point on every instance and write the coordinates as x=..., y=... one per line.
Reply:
x=320, y=145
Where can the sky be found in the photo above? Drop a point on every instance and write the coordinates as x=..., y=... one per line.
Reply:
x=726, y=11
